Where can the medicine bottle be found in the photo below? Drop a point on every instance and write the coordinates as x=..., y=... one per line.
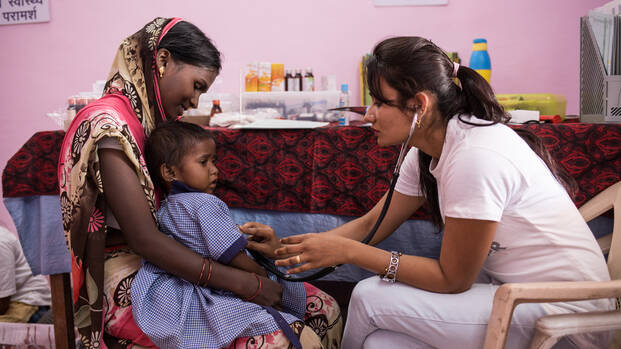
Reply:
x=82, y=101
x=298, y=80
x=288, y=80
x=252, y=77
x=215, y=107
x=71, y=107
x=309, y=80
x=278, y=77
x=344, y=102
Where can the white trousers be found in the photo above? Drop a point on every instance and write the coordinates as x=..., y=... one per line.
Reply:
x=386, y=315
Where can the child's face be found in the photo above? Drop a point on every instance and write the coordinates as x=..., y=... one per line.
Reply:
x=198, y=167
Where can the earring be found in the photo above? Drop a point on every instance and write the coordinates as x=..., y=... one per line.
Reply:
x=161, y=71
x=419, y=122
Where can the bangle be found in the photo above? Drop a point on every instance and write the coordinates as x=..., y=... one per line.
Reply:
x=208, y=272
x=256, y=293
x=390, y=273
x=200, y=277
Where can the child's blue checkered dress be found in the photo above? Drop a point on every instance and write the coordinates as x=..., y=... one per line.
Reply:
x=175, y=313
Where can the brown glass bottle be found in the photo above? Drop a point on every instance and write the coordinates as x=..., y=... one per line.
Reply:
x=215, y=109
x=298, y=80
x=288, y=80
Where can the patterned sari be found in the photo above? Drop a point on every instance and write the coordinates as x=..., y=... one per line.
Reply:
x=102, y=277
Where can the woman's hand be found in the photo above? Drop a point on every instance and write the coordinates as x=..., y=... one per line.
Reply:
x=262, y=238
x=270, y=293
x=312, y=251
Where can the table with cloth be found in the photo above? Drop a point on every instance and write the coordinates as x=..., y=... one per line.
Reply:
x=297, y=181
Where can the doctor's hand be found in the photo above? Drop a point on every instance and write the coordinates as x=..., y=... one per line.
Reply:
x=262, y=238
x=312, y=251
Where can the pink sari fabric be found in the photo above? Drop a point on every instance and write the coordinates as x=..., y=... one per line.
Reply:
x=322, y=326
x=126, y=114
x=83, y=209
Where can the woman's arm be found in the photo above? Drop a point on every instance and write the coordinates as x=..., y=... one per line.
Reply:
x=465, y=246
x=401, y=208
x=128, y=203
x=244, y=262
x=333, y=247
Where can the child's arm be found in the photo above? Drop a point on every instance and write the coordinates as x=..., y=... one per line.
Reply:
x=223, y=237
x=244, y=262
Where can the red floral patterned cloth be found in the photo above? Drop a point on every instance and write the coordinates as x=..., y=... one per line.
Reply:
x=33, y=170
x=336, y=170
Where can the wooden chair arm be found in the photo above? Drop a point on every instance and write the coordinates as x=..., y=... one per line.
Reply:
x=509, y=295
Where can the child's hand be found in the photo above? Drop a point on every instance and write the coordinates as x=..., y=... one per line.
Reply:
x=262, y=238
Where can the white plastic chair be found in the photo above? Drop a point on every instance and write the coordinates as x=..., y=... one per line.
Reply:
x=550, y=329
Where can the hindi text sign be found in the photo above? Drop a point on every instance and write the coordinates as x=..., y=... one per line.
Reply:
x=24, y=11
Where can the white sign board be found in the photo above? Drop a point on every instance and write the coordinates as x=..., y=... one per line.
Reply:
x=409, y=2
x=24, y=11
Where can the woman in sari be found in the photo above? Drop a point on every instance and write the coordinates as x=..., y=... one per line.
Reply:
x=108, y=202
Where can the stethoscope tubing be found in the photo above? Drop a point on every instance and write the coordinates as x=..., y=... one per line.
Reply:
x=272, y=268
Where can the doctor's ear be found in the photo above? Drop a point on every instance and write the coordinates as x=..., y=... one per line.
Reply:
x=167, y=173
x=421, y=102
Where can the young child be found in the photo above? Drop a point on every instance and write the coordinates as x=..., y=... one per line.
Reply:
x=171, y=311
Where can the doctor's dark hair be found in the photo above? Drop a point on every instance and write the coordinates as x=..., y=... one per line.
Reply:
x=168, y=143
x=414, y=64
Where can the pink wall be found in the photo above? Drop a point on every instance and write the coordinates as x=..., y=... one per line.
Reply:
x=534, y=45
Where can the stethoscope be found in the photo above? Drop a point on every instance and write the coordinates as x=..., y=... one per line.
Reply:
x=269, y=264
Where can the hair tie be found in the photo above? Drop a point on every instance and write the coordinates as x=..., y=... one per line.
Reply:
x=455, y=69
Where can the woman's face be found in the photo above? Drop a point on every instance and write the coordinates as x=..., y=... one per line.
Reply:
x=181, y=85
x=198, y=167
x=391, y=124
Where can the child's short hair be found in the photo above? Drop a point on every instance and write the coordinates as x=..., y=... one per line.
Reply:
x=168, y=143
